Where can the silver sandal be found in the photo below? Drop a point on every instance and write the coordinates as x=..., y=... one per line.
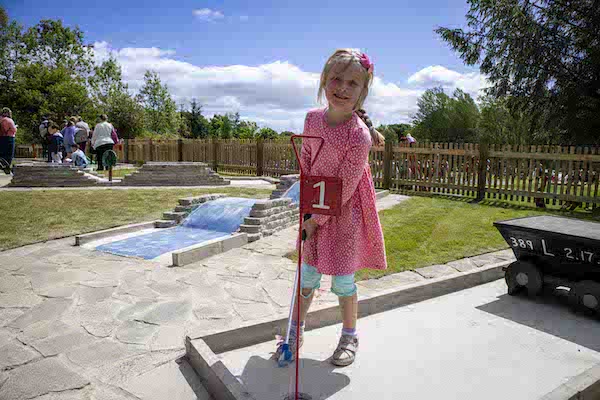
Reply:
x=346, y=350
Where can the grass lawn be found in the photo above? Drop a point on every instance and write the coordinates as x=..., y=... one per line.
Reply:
x=29, y=217
x=426, y=231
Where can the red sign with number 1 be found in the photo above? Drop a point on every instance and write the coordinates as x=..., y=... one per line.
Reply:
x=321, y=195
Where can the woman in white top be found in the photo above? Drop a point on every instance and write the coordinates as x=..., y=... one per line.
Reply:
x=101, y=139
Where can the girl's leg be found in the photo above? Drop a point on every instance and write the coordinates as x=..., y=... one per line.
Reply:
x=349, y=308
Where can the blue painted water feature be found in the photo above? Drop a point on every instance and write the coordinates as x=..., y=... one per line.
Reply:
x=293, y=193
x=211, y=220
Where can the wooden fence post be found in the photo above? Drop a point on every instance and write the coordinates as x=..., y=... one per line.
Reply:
x=215, y=143
x=180, y=150
x=482, y=171
x=126, y=150
x=151, y=150
x=387, y=164
x=260, y=158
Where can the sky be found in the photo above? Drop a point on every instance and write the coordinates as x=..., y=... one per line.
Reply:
x=263, y=58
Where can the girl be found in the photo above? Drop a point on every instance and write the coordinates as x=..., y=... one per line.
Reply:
x=339, y=246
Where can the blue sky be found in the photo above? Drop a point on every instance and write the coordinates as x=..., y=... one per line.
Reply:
x=197, y=42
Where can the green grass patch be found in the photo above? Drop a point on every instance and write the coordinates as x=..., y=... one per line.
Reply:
x=29, y=217
x=426, y=231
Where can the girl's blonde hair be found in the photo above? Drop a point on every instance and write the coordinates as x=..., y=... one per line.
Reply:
x=346, y=57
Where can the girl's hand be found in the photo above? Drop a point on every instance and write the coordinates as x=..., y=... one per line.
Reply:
x=310, y=226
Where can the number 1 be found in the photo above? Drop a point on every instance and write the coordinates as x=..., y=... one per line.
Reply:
x=321, y=205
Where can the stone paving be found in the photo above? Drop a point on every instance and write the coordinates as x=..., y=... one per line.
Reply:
x=76, y=323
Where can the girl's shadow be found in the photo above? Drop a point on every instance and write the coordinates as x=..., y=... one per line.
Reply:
x=266, y=381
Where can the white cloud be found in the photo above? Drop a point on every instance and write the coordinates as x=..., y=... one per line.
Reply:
x=206, y=14
x=275, y=95
x=437, y=75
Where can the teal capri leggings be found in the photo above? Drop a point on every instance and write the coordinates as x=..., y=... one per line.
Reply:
x=342, y=285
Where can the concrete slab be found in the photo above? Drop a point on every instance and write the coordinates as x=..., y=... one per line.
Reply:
x=39, y=378
x=15, y=353
x=173, y=380
x=476, y=343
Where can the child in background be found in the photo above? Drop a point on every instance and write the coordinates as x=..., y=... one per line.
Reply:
x=78, y=157
x=340, y=246
x=56, y=143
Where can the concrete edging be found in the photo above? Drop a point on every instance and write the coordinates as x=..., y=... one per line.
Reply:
x=89, y=237
x=217, y=378
x=585, y=386
x=197, y=252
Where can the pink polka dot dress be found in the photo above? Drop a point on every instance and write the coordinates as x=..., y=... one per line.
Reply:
x=354, y=240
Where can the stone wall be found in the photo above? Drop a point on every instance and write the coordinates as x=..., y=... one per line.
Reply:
x=174, y=174
x=268, y=217
x=285, y=182
x=185, y=207
x=50, y=175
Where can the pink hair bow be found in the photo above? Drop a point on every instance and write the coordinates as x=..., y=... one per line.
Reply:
x=366, y=62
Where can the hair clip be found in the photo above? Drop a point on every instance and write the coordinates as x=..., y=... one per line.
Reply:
x=366, y=62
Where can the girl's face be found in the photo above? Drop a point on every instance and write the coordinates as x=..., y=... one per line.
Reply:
x=344, y=86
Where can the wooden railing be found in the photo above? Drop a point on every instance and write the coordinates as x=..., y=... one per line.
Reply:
x=547, y=174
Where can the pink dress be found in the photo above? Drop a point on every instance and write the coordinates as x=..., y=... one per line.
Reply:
x=354, y=240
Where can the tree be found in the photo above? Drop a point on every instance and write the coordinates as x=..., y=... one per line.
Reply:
x=501, y=124
x=247, y=129
x=125, y=113
x=287, y=133
x=442, y=118
x=11, y=53
x=54, y=45
x=107, y=78
x=199, y=126
x=267, y=133
x=543, y=57
x=40, y=90
x=160, y=109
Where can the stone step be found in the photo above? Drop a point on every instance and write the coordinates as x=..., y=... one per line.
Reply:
x=250, y=228
x=186, y=201
x=164, y=223
x=253, y=237
x=186, y=209
x=175, y=216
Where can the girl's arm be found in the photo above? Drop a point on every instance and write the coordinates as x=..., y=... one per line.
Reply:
x=351, y=171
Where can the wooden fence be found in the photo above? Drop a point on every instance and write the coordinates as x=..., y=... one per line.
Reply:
x=554, y=175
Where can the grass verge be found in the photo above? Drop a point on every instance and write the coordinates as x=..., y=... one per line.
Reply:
x=29, y=217
x=426, y=231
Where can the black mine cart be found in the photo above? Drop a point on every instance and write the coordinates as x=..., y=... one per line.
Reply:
x=554, y=252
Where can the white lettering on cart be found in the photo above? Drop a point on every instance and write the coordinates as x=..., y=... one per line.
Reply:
x=546, y=252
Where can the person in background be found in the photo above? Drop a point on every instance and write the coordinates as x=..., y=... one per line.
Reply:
x=45, y=137
x=78, y=157
x=69, y=136
x=8, y=131
x=82, y=133
x=56, y=142
x=101, y=139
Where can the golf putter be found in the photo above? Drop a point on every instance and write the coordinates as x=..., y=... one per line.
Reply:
x=286, y=353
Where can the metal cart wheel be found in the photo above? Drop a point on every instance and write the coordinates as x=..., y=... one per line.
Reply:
x=585, y=296
x=524, y=275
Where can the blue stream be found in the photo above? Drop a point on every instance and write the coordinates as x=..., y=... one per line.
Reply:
x=217, y=218
x=293, y=193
